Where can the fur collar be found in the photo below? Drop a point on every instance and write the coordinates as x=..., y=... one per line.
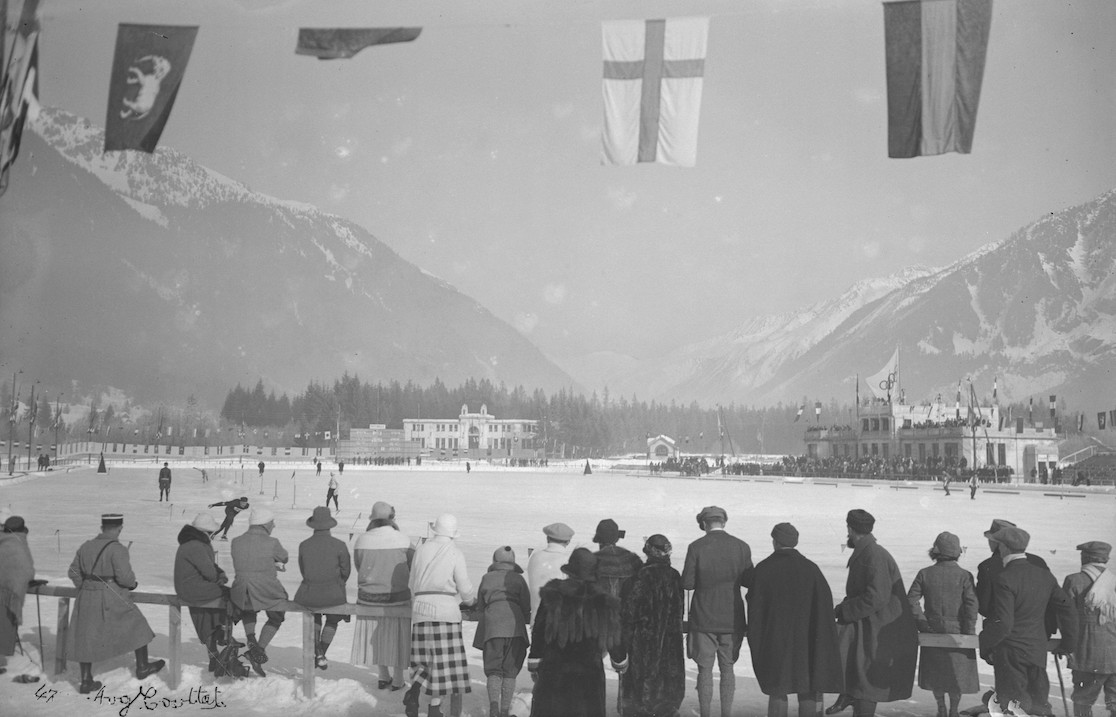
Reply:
x=576, y=611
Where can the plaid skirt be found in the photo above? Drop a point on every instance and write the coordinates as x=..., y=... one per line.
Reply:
x=438, y=658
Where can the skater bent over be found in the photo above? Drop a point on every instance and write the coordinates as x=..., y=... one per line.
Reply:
x=232, y=509
x=164, y=482
x=331, y=494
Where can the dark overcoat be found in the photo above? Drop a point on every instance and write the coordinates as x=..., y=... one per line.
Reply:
x=876, y=629
x=16, y=570
x=1022, y=595
x=325, y=564
x=655, y=682
x=987, y=571
x=504, y=602
x=197, y=577
x=576, y=623
x=791, y=632
x=105, y=622
x=950, y=601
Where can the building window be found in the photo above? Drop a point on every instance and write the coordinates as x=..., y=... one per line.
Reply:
x=1002, y=451
x=875, y=424
x=886, y=450
x=885, y=425
x=864, y=424
x=875, y=449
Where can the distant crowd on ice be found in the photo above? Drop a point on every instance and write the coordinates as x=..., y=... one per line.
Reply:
x=570, y=608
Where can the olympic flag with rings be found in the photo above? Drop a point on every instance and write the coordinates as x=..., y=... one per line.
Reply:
x=882, y=383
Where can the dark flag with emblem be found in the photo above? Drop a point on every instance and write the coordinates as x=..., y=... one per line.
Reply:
x=1100, y=420
x=147, y=70
x=19, y=82
x=341, y=43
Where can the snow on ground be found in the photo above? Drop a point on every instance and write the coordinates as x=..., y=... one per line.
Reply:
x=494, y=508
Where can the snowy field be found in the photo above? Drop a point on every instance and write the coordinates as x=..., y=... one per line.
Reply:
x=494, y=508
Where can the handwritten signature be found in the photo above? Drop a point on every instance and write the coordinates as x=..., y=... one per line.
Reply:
x=146, y=698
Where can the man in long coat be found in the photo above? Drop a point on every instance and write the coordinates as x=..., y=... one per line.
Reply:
x=325, y=565
x=1014, y=638
x=715, y=567
x=791, y=634
x=1093, y=591
x=576, y=623
x=105, y=622
x=991, y=566
x=256, y=559
x=876, y=629
x=16, y=570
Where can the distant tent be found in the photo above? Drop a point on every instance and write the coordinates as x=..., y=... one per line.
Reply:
x=588, y=471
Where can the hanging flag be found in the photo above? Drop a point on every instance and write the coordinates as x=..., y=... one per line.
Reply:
x=883, y=380
x=1112, y=418
x=19, y=84
x=147, y=70
x=935, y=64
x=1030, y=409
x=1100, y=420
x=1053, y=399
x=799, y=414
x=1080, y=422
x=652, y=90
x=857, y=404
x=817, y=411
x=341, y=43
x=994, y=399
x=957, y=406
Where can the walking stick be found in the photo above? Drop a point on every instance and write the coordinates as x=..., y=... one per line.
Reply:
x=1061, y=684
x=39, y=611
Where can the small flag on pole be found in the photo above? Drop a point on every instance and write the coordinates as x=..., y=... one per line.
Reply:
x=1053, y=400
x=652, y=90
x=147, y=70
x=799, y=414
x=935, y=64
x=341, y=43
x=817, y=411
x=1112, y=418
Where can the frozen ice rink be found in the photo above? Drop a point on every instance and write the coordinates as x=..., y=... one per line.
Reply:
x=494, y=507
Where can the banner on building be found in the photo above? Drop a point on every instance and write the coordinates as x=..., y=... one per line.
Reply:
x=147, y=71
x=1100, y=420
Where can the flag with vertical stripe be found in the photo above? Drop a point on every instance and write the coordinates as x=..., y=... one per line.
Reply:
x=935, y=64
x=147, y=70
x=652, y=90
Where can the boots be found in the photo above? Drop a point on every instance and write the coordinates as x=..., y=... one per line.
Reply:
x=411, y=700
x=1083, y=710
x=145, y=668
x=435, y=710
x=256, y=655
x=843, y=703
x=88, y=684
x=864, y=708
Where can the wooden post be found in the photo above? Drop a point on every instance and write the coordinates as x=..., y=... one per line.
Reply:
x=174, y=637
x=62, y=634
x=308, y=655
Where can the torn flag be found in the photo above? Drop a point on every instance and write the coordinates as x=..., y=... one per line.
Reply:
x=652, y=90
x=335, y=43
x=19, y=83
x=935, y=64
x=147, y=70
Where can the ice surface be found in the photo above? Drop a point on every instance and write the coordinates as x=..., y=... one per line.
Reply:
x=494, y=507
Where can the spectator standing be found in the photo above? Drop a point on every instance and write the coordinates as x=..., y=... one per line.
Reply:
x=257, y=558
x=261, y=467
x=232, y=508
x=1093, y=592
x=17, y=569
x=714, y=570
x=439, y=584
x=791, y=635
x=164, y=482
x=576, y=623
x=383, y=558
x=948, y=593
x=876, y=629
x=1013, y=641
x=504, y=602
x=546, y=564
x=105, y=622
x=325, y=565
x=199, y=581
x=651, y=617
x=615, y=565
x=973, y=483
x=992, y=566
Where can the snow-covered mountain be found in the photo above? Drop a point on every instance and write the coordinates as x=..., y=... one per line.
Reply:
x=1037, y=310
x=153, y=273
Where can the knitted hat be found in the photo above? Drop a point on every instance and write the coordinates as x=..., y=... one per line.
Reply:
x=504, y=555
x=260, y=516
x=998, y=523
x=860, y=520
x=321, y=519
x=785, y=534
x=947, y=545
x=445, y=525
x=608, y=532
x=657, y=546
x=1012, y=538
x=205, y=523
x=1095, y=551
x=582, y=565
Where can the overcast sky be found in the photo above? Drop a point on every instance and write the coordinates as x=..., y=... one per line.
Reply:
x=474, y=151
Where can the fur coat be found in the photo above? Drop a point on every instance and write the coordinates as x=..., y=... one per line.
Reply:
x=655, y=682
x=576, y=623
